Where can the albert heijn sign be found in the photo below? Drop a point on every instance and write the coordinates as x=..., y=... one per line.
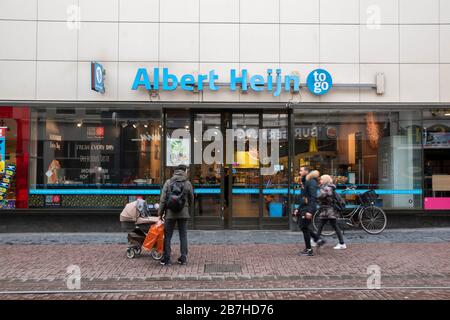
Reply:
x=318, y=81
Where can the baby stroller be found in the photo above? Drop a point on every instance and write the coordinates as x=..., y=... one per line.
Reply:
x=137, y=218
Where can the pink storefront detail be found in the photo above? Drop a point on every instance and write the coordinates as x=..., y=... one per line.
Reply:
x=437, y=203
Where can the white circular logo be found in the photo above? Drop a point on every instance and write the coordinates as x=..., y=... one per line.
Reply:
x=99, y=74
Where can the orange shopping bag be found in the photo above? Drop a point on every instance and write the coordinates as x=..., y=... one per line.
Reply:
x=155, y=236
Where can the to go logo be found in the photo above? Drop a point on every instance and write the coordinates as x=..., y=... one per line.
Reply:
x=319, y=82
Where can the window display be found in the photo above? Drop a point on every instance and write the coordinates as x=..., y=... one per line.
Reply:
x=77, y=153
x=14, y=135
x=436, y=145
x=374, y=150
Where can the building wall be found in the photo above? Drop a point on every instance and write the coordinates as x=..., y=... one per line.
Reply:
x=45, y=53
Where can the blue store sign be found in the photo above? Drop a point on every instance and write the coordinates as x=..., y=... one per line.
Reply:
x=97, y=77
x=319, y=82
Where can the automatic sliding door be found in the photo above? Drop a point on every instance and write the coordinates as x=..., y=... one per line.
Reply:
x=245, y=169
x=207, y=178
x=276, y=184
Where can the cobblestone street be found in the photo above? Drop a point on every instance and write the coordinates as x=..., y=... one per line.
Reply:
x=416, y=268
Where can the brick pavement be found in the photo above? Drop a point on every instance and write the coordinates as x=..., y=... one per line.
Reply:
x=43, y=267
x=316, y=295
x=423, y=235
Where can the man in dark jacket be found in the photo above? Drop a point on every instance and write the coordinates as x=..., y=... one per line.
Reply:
x=172, y=218
x=308, y=207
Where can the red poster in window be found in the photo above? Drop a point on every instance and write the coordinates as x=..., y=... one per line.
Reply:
x=21, y=115
x=100, y=132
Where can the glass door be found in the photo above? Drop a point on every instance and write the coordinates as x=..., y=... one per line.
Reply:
x=245, y=171
x=206, y=174
x=276, y=182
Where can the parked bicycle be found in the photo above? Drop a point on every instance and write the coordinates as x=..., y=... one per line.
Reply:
x=366, y=214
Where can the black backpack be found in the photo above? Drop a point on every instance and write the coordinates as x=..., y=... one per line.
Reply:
x=175, y=196
x=338, y=202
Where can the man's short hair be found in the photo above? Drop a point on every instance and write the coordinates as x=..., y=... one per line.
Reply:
x=306, y=168
x=181, y=167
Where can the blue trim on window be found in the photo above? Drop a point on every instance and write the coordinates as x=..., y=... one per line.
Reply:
x=383, y=191
x=245, y=191
x=95, y=191
x=377, y=191
x=276, y=191
x=207, y=191
x=283, y=191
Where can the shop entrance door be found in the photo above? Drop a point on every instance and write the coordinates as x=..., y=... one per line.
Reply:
x=227, y=195
x=245, y=205
x=207, y=177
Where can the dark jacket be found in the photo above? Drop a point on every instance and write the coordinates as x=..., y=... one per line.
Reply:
x=309, y=191
x=179, y=175
x=326, y=201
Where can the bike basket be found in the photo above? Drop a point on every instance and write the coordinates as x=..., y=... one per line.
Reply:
x=368, y=197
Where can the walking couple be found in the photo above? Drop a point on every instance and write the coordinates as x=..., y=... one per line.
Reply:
x=317, y=190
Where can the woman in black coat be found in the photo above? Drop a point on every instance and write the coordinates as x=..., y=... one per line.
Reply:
x=307, y=209
x=327, y=211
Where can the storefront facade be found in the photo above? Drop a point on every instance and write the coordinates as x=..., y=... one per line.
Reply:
x=100, y=100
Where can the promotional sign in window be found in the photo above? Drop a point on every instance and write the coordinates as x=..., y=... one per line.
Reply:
x=437, y=140
x=2, y=148
x=6, y=183
x=52, y=200
x=178, y=152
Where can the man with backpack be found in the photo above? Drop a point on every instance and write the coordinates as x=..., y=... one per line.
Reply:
x=176, y=198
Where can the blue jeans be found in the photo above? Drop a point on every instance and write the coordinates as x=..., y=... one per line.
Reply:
x=169, y=227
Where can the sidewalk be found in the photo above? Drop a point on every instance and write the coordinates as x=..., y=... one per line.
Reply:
x=263, y=261
x=424, y=235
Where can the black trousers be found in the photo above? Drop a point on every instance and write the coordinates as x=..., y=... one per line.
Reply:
x=169, y=227
x=305, y=226
x=334, y=225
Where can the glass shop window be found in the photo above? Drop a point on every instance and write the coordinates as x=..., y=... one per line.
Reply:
x=85, y=148
x=436, y=145
x=378, y=150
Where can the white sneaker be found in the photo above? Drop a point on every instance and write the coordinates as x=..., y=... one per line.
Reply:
x=340, y=246
x=313, y=243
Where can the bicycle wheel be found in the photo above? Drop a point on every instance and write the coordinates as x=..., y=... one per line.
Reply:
x=327, y=230
x=373, y=220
